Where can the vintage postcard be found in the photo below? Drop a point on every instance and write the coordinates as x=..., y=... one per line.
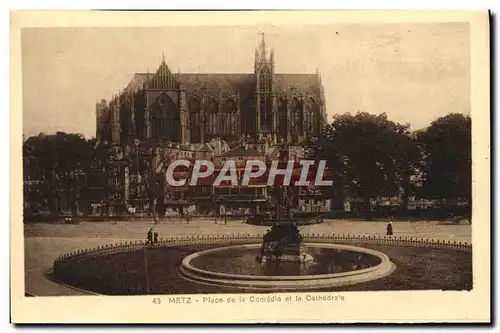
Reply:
x=248, y=167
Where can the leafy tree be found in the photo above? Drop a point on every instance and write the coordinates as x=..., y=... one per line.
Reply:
x=408, y=157
x=447, y=162
x=62, y=161
x=325, y=147
x=368, y=156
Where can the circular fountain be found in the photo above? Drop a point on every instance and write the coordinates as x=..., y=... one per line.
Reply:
x=283, y=261
x=228, y=265
x=331, y=265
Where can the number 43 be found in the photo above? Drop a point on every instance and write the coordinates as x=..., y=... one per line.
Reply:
x=156, y=300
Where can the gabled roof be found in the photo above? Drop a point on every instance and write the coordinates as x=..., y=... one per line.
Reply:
x=421, y=130
x=276, y=150
x=240, y=151
x=185, y=146
x=137, y=81
x=203, y=147
x=274, y=153
x=163, y=78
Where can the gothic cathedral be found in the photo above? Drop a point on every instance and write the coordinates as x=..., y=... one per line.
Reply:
x=196, y=108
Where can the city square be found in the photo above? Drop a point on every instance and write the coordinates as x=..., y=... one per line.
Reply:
x=44, y=242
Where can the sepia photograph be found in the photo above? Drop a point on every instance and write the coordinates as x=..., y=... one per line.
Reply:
x=267, y=163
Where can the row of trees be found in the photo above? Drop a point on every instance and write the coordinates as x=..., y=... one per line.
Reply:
x=368, y=156
x=66, y=171
x=58, y=165
x=371, y=156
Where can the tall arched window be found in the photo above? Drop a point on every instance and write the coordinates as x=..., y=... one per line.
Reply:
x=312, y=111
x=265, y=79
x=297, y=118
x=211, y=115
x=282, y=117
x=266, y=112
x=229, y=118
x=195, y=119
x=125, y=124
x=165, y=119
x=266, y=100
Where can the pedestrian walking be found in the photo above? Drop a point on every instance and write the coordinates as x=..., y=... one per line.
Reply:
x=149, y=240
x=389, y=229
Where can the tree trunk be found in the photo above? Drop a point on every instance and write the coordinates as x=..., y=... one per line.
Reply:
x=406, y=195
x=84, y=205
x=57, y=203
x=338, y=196
x=153, y=208
x=367, y=208
x=51, y=198
x=74, y=207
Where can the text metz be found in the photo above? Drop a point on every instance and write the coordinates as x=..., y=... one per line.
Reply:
x=179, y=300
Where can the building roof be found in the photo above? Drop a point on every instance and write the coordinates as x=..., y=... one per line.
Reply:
x=301, y=82
x=230, y=84
x=240, y=151
x=212, y=83
x=275, y=151
x=137, y=81
x=204, y=148
x=421, y=130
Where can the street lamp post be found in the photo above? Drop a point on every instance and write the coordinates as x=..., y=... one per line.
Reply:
x=153, y=189
x=141, y=206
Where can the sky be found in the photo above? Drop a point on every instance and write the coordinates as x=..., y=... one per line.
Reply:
x=414, y=73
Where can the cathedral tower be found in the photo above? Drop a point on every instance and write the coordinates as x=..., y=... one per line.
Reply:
x=264, y=73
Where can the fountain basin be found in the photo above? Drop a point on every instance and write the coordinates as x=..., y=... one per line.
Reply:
x=332, y=265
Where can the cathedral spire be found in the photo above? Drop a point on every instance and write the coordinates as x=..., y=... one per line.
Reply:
x=256, y=59
x=263, y=58
x=271, y=59
x=262, y=47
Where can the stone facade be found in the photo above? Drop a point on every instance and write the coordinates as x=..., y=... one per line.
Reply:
x=162, y=116
x=196, y=108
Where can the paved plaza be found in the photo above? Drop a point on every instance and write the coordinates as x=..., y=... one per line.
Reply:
x=45, y=241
